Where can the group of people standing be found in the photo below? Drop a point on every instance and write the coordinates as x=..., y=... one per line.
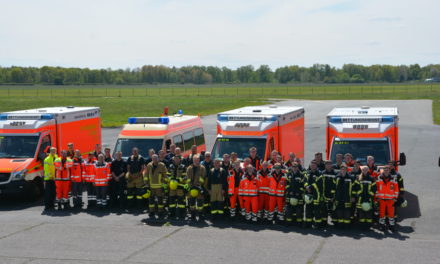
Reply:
x=272, y=191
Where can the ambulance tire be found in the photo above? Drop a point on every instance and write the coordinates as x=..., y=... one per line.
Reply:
x=35, y=189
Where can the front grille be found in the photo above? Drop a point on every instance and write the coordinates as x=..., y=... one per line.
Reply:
x=4, y=177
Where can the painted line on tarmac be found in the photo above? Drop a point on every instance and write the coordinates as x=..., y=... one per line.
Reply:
x=22, y=230
x=151, y=244
x=315, y=254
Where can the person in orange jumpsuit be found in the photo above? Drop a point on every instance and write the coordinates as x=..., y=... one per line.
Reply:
x=234, y=179
x=277, y=187
x=387, y=192
x=101, y=178
x=263, y=190
x=62, y=180
x=76, y=178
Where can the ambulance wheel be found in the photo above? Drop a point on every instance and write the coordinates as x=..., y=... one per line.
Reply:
x=35, y=189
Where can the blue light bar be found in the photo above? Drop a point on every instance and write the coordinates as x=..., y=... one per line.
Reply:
x=3, y=116
x=335, y=119
x=180, y=112
x=387, y=119
x=222, y=118
x=46, y=116
x=132, y=120
x=270, y=118
x=164, y=120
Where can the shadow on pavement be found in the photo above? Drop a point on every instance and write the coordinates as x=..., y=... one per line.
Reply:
x=413, y=208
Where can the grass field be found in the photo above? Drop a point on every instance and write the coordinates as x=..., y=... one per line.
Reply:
x=119, y=102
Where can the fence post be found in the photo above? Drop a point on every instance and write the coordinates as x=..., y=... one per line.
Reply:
x=9, y=92
x=51, y=91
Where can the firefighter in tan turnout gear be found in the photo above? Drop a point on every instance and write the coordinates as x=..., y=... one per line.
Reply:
x=156, y=178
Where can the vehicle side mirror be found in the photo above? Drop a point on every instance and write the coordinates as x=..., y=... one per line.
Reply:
x=402, y=159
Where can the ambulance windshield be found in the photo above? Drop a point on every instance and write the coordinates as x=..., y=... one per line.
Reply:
x=18, y=146
x=360, y=149
x=239, y=145
x=126, y=145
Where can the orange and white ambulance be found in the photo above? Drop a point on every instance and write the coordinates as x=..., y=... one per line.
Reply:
x=25, y=136
x=265, y=127
x=364, y=131
x=160, y=132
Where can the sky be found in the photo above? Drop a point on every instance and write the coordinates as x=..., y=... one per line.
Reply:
x=131, y=33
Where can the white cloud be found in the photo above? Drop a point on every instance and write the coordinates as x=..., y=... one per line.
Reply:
x=121, y=34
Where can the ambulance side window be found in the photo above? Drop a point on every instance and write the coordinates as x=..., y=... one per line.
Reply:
x=200, y=139
x=271, y=145
x=167, y=144
x=188, y=138
x=45, y=143
x=179, y=142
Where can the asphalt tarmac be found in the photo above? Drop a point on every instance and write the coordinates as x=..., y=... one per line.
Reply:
x=28, y=236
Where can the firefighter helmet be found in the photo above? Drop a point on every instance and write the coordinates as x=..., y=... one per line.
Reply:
x=173, y=185
x=293, y=201
x=308, y=198
x=404, y=203
x=366, y=206
x=146, y=194
x=194, y=193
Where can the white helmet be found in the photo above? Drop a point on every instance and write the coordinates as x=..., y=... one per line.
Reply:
x=366, y=206
x=404, y=204
x=293, y=201
x=308, y=198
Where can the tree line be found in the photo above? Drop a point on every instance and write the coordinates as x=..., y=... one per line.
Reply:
x=324, y=73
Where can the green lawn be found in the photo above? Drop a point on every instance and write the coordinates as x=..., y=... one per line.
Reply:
x=119, y=102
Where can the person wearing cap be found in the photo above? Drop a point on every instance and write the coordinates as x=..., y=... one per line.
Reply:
x=313, y=189
x=294, y=195
x=234, y=179
x=387, y=194
x=364, y=189
x=277, y=188
x=397, y=177
x=88, y=175
x=344, y=196
x=217, y=185
x=328, y=194
x=263, y=190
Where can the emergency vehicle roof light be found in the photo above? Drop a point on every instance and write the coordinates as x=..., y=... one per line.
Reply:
x=335, y=119
x=180, y=112
x=149, y=120
x=164, y=120
x=26, y=117
x=387, y=119
x=222, y=118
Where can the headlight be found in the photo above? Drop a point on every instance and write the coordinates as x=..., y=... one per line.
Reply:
x=18, y=175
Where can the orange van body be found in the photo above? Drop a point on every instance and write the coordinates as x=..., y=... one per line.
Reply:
x=159, y=133
x=265, y=127
x=26, y=134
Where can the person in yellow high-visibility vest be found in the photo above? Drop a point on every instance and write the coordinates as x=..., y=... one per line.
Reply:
x=49, y=179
